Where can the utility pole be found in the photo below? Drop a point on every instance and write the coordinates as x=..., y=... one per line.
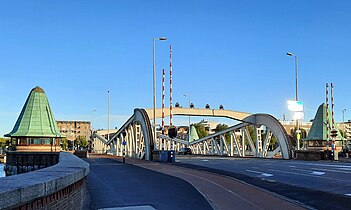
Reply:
x=154, y=82
x=296, y=97
x=108, y=117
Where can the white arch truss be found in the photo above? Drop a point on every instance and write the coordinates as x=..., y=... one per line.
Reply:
x=137, y=133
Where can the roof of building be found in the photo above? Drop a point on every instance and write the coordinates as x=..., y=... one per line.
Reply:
x=73, y=121
x=192, y=134
x=36, y=118
x=318, y=129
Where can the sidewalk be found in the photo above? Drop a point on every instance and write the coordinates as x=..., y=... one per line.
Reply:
x=221, y=191
x=112, y=184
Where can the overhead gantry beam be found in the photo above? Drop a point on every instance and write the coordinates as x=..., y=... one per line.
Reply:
x=235, y=115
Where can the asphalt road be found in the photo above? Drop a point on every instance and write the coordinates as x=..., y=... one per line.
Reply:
x=114, y=184
x=300, y=180
x=223, y=192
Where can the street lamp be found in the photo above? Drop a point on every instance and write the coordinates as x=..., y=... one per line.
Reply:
x=343, y=125
x=189, y=108
x=91, y=129
x=296, y=73
x=108, y=116
x=296, y=94
x=154, y=81
x=91, y=120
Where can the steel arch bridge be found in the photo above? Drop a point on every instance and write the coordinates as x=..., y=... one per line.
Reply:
x=136, y=132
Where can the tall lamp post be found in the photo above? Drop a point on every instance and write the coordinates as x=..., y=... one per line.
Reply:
x=296, y=95
x=189, y=107
x=108, y=117
x=154, y=81
x=91, y=129
x=91, y=120
x=343, y=125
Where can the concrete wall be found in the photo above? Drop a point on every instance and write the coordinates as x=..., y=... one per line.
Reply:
x=61, y=186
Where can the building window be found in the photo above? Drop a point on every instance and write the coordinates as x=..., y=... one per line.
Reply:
x=40, y=141
x=22, y=142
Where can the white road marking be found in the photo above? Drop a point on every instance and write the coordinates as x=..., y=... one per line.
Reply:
x=205, y=160
x=326, y=165
x=145, y=207
x=310, y=175
x=262, y=173
x=335, y=171
x=292, y=166
x=348, y=194
x=309, y=171
x=345, y=169
x=265, y=174
x=318, y=173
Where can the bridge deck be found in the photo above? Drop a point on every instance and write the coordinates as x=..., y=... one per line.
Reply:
x=222, y=192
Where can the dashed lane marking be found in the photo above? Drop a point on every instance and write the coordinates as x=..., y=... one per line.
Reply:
x=310, y=175
x=258, y=172
x=334, y=171
x=318, y=173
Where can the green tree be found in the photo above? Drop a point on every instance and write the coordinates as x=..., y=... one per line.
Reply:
x=221, y=127
x=342, y=133
x=293, y=136
x=81, y=141
x=64, y=143
x=4, y=142
x=200, y=129
x=272, y=142
x=252, y=132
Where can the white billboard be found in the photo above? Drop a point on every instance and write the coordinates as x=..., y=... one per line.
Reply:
x=295, y=106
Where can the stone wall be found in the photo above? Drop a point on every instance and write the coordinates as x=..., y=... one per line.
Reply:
x=71, y=197
x=62, y=186
x=310, y=155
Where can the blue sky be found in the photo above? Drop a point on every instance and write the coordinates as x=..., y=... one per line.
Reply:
x=224, y=52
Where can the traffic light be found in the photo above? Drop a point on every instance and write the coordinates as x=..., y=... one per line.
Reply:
x=172, y=131
x=334, y=133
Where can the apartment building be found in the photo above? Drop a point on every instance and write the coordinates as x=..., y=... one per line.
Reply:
x=73, y=129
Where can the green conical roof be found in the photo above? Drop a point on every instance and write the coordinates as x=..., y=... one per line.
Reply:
x=36, y=118
x=192, y=134
x=318, y=129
